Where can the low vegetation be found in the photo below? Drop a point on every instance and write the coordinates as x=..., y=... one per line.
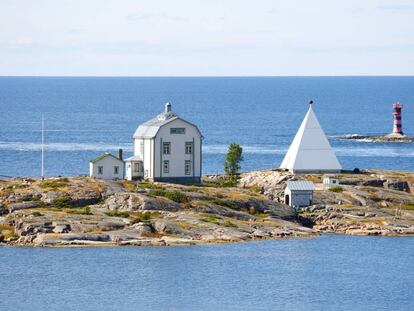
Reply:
x=117, y=214
x=336, y=189
x=54, y=183
x=175, y=196
x=81, y=211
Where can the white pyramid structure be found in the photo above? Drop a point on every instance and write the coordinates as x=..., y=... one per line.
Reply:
x=310, y=151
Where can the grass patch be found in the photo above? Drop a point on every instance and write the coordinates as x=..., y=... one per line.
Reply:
x=337, y=189
x=408, y=206
x=129, y=185
x=117, y=214
x=220, y=202
x=80, y=211
x=175, y=196
x=54, y=183
x=229, y=224
x=8, y=232
x=211, y=219
x=147, y=185
x=313, y=178
x=37, y=214
x=142, y=217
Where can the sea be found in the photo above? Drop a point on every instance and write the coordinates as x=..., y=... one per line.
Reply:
x=86, y=116
x=327, y=273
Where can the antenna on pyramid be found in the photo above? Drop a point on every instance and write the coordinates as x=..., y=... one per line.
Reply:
x=311, y=102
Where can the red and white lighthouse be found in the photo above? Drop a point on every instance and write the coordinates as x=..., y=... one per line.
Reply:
x=397, y=128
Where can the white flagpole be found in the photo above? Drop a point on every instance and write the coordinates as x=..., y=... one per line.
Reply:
x=43, y=148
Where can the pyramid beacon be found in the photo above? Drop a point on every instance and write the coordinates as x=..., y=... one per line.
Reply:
x=310, y=151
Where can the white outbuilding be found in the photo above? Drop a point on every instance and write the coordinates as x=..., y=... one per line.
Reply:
x=166, y=148
x=299, y=193
x=310, y=151
x=106, y=166
x=330, y=180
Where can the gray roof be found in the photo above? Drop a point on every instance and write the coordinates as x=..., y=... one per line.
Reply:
x=103, y=155
x=150, y=128
x=301, y=185
x=134, y=158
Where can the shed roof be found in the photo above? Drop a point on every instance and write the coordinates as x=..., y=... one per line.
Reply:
x=303, y=185
x=103, y=155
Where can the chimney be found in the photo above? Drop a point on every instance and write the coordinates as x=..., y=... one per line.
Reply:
x=167, y=107
x=120, y=154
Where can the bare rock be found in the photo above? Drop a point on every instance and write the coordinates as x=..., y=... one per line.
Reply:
x=137, y=201
x=22, y=205
x=398, y=185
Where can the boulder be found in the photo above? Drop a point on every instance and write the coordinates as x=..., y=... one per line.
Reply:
x=374, y=182
x=398, y=185
x=61, y=228
x=22, y=205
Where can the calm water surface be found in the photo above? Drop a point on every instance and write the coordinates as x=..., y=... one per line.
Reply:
x=87, y=116
x=327, y=273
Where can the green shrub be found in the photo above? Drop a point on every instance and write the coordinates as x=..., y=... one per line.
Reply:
x=220, y=202
x=229, y=182
x=140, y=217
x=61, y=202
x=337, y=189
x=229, y=224
x=211, y=219
x=129, y=185
x=117, y=214
x=175, y=196
x=37, y=214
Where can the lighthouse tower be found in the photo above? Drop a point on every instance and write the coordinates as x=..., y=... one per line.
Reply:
x=397, y=128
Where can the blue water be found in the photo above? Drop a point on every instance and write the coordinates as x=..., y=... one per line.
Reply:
x=87, y=116
x=327, y=273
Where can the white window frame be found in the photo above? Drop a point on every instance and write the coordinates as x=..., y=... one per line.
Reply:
x=189, y=147
x=187, y=167
x=136, y=167
x=166, y=148
x=166, y=166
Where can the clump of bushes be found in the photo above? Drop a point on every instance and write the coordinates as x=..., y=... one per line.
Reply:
x=129, y=185
x=54, y=183
x=117, y=214
x=229, y=224
x=175, y=196
x=37, y=214
x=7, y=232
x=220, y=202
x=141, y=217
x=337, y=189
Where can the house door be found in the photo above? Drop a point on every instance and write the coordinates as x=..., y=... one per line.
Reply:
x=287, y=199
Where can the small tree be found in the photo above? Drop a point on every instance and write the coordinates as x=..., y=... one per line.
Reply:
x=233, y=159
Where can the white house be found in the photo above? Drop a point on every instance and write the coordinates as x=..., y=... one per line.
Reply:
x=310, y=151
x=299, y=193
x=107, y=166
x=166, y=148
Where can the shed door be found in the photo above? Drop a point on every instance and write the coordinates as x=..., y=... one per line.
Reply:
x=287, y=199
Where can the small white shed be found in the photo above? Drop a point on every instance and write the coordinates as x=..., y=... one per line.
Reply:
x=330, y=180
x=106, y=166
x=299, y=193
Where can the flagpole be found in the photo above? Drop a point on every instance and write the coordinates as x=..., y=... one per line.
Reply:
x=43, y=148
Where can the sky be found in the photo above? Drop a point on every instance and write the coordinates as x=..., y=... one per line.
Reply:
x=206, y=37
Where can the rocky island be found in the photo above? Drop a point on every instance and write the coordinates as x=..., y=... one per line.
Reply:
x=380, y=138
x=81, y=211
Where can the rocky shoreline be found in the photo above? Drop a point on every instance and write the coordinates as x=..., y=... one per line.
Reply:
x=86, y=212
x=380, y=138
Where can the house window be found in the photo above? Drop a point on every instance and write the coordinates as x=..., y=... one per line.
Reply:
x=116, y=170
x=177, y=130
x=136, y=167
x=189, y=148
x=166, y=148
x=166, y=166
x=187, y=167
x=100, y=170
x=141, y=147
